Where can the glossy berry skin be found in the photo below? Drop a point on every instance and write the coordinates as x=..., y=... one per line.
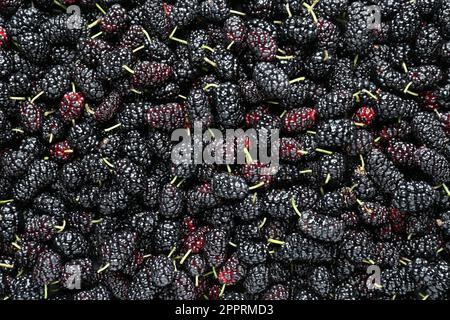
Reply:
x=195, y=240
x=61, y=151
x=215, y=247
x=365, y=115
x=198, y=107
x=402, y=153
x=335, y=133
x=298, y=120
x=231, y=272
x=252, y=253
x=235, y=30
x=171, y=201
x=162, y=271
x=334, y=105
x=414, y=196
x=47, y=268
x=31, y=116
x=150, y=74
x=4, y=39
x=229, y=187
x=115, y=21
x=91, y=195
x=321, y=227
x=227, y=101
x=383, y=171
x=166, y=117
x=432, y=163
x=108, y=108
x=39, y=175
x=271, y=80
x=262, y=43
x=72, y=106
x=118, y=249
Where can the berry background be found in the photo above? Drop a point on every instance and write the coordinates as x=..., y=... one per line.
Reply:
x=93, y=208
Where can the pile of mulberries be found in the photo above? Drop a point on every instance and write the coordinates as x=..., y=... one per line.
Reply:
x=93, y=207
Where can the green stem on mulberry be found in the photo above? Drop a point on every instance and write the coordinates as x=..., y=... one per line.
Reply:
x=324, y=151
x=100, y=8
x=93, y=24
x=285, y=57
x=222, y=290
x=103, y=268
x=106, y=161
x=424, y=296
x=181, y=182
x=127, y=68
x=18, y=130
x=16, y=245
x=60, y=229
x=45, y=292
x=263, y=222
x=172, y=251
x=97, y=35
x=59, y=4
x=288, y=10
x=407, y=91
x=97, y=221
x=138, y=48
x=239, y=13
x=186, y=255
x=297, y=80
x=89, y=110
x=113, y=127
x=405, y=68
x=210, y=85
x=210, y=62
x=248, y=156
x=295, y=207
x=207, y=48
x=173, y=38
x=147, y=35
x=368, y=261
x=374, y=97
x=275, y=241
x=136, y=91
x=310, y=10
x=256, y=186
x=254, y=198
x=328, y=178
x=37, y=96
x=446, y=189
